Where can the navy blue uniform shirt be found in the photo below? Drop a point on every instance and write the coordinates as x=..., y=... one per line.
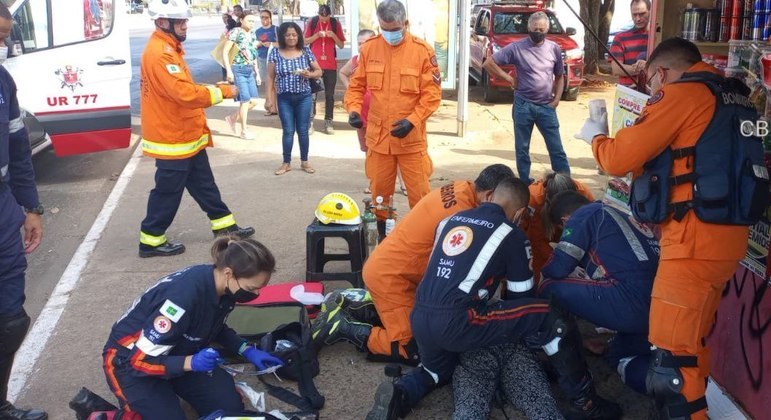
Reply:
x=474, y=251
x=15, y=154
x=175, y=318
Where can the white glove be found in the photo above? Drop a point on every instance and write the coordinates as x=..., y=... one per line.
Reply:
x=592, y=128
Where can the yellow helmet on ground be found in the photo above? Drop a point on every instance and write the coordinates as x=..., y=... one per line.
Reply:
x=338, y=208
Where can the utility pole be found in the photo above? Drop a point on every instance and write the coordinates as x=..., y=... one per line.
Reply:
x=463, y=42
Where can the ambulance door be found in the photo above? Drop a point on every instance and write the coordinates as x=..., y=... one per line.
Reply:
x=71, y=61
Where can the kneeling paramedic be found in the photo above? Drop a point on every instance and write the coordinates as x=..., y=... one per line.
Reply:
x=174, y=132
x=160, y=349
x=395, y=268
x=681, y=152
x=475, y=250
x=602, y=270
x=18, y=195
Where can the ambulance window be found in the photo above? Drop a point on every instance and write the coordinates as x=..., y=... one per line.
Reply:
x=80, y=24
x=31, y=26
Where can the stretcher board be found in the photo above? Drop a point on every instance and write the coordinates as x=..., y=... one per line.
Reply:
x=627, y=106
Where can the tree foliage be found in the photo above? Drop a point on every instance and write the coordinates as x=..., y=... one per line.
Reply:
x=597, y=14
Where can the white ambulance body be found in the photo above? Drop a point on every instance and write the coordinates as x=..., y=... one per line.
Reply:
x=71, y=61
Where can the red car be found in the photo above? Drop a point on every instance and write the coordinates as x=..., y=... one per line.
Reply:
x=496, y=25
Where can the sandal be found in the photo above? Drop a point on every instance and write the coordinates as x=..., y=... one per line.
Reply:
x=305, y=166
x=283, y=169
x=367, y=191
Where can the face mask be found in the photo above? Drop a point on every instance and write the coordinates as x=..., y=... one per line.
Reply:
x=3, y=53
x=537, y=37
x=393, y=37
x=241, y=295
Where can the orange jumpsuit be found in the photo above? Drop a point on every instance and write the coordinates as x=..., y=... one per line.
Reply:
x=533, y=226
x=404, y=82
x=173, y=116
x=397, y=265
x=697, y=258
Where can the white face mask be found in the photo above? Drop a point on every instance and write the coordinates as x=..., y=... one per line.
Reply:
x=3, y=53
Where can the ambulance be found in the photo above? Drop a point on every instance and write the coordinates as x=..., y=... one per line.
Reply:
x=71, y=61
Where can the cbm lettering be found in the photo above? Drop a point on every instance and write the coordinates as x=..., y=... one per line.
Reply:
x=757, y=128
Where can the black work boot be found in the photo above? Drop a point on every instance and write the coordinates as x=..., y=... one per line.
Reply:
x=333, y=326
x=9, y=412
x=165, y=249
x=390, y=402
x=356, y=303
x=86, y=402
x=589, y=405
x=241, y=232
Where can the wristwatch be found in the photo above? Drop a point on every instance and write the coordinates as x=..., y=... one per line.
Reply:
x=39, y=210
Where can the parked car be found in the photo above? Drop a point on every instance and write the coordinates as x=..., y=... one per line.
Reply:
x=497, y=25
x=135, y=6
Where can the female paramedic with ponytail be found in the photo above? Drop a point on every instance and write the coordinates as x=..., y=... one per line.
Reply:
x=160, y=349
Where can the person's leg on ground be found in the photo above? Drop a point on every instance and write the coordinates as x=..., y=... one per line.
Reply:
x=415, y=168
x=686, y=294
x=524, y=382
x=162, y=205
x=330, y=82
x=209, y=392
x=524, y=118
x=286, y=113
x=548, y=124
x=630, y=355
x=474, y=384
x=302, y=123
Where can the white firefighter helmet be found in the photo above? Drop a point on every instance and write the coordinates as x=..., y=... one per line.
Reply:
x=169, y=9
x=338, y=208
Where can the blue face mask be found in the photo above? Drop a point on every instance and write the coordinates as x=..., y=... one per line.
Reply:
x=393, y=37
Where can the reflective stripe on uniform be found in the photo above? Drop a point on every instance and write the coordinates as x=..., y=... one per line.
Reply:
x=223, y=222
x=151, y=240
x=175, y=149
x=480, y=264
x=151, y=349
x=215, y=94
x=520, y=286
x=631, y=239
x=3, y=171
x=571, y=249
x=15, y=125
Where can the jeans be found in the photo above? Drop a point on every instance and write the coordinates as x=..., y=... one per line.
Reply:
x=525, y=114
x=244, y=77
x=330, y=82
x=294, y=112
x=263, y=64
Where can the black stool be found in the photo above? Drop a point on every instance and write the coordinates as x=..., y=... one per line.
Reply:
x=316, y=256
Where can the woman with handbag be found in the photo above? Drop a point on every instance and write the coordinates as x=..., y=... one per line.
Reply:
x=294, y=74
x=242, y=71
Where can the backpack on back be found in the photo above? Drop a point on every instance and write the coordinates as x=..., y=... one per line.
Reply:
x=730, y=182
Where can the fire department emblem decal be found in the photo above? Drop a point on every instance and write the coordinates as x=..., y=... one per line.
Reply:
x=70, y=77
x=162, y=324
x=457, y=240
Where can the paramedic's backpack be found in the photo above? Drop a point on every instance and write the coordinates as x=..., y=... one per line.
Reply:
x=278, y=322
x=729, y=179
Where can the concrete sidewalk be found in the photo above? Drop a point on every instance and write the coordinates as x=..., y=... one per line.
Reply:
x=279, y=207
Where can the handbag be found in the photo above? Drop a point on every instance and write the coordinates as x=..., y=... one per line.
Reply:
x=316, y=84
x=216, y=53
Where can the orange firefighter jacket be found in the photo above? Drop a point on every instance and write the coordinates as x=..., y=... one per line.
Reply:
x=404, y=82
x=533, y=225
x=675, y=117
x=173, y=117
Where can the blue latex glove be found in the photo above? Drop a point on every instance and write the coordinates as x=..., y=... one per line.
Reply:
x=205, y=360
x=261, y=358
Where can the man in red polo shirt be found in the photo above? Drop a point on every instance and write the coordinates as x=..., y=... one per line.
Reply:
x=324, y=34
x=631, y=47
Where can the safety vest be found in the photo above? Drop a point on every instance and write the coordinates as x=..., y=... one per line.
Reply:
x=730, y=184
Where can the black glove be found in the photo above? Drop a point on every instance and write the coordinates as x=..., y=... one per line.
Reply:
x=354, y=119
x=401, y=128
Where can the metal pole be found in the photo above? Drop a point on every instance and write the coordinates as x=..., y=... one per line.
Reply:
x=463, y=42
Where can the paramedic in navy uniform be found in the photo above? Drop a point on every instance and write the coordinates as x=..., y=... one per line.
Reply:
x=161, y=347
x=18, y=195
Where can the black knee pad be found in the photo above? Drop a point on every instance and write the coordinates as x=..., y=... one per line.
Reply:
x=665, y=382
x=12, y=331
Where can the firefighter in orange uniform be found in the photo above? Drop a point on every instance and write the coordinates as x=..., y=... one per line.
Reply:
x=395, y=268
x=697, y=258
x=401, y=72
x=174, y=132
x=538, y=230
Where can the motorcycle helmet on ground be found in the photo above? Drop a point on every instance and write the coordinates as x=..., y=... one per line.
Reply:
x=338, y=208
